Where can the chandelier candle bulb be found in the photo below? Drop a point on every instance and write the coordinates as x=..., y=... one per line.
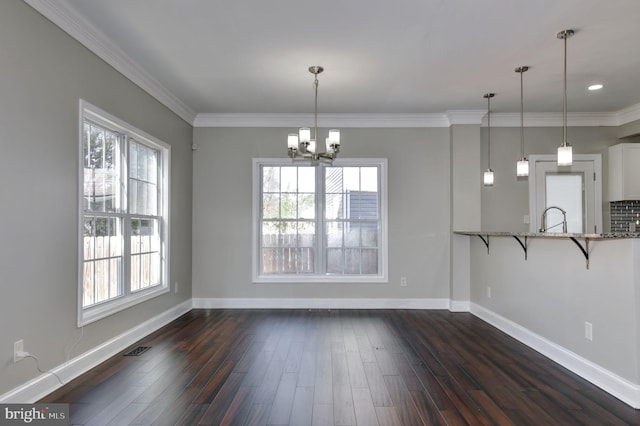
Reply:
x=329, y=145
x=292, y=141
x=312, y=146
x=305, y=134
x=334, y=136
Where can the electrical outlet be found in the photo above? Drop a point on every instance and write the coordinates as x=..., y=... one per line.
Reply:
x=403, y=281
x=175, y=287
x=527, y=220
x=588, y=331
x=488, y=292
x=18, y=347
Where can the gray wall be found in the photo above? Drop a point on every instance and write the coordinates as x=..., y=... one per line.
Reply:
x=419, y=212
x=44, y=73
x=505, y=204
x=553, y=294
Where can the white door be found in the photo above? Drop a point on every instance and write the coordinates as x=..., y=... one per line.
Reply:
x=576, y=189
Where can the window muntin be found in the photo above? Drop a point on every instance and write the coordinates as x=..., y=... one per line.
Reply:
x=324, y=223
x=123, y=216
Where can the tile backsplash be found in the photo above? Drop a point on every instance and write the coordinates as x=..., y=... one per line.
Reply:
x=623, y=213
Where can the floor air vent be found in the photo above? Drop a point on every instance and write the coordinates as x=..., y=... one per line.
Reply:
x=137, y=351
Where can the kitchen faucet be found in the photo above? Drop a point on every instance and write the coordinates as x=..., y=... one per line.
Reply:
x=544, y=220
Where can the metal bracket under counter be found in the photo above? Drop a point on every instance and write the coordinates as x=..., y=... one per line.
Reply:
x=523, y=240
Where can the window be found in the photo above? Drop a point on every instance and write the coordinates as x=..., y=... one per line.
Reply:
x=323, y=223
x=124, y=176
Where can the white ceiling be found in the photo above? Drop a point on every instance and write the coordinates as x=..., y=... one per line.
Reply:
x=380, y=56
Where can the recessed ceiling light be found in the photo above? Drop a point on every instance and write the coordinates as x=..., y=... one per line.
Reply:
x=595, y=87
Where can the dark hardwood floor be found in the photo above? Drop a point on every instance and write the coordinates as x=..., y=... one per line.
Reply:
x=299, y=367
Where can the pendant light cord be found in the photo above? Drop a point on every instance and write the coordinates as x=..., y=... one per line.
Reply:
x=315, y=108
x=489, y=130
x=564, y=103
x=522, y=70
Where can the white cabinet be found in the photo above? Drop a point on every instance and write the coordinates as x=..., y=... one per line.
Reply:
x=624, y=172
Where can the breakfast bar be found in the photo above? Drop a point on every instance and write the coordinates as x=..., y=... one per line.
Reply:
x=587, y=319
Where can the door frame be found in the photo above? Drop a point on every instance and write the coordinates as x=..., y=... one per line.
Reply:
x=596, y=159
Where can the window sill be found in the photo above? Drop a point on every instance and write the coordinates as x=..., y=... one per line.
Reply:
x=320, y=279
x=95, y=313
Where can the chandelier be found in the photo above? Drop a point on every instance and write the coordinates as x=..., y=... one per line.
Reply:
x=303, y=146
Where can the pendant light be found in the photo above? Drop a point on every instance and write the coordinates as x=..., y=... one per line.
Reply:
x=488, y=176
x=565, y=151
x=522, y=166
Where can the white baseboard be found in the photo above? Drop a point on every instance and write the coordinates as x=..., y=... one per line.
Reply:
x=459, y=306
x=44, y=384
x=617, y=386
x=275, y=303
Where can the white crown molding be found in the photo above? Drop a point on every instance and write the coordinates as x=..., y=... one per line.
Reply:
x=324, y=120
x=610, y=382
x=629, y=114
x=471, y=116
x=46, y=383
x=578, y=119
x=77, y=27
x=553, y=119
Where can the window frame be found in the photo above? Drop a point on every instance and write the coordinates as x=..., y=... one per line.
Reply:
x=128, y=298
x=319, y=277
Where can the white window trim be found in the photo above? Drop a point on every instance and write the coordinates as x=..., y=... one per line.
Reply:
x=90, y=314
x=381, y=278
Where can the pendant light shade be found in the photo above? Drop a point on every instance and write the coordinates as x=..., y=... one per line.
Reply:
x=522, y=166
x=488, y=175
x=565, y=152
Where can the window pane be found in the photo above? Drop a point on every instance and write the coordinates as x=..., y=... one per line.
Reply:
x=333, y=180
x=271, y=206
x=335, y=261
x=270, y=179
x=288, y=179
x=307, y=179
x=334, y=234
x=351, y=178
x=102, y=257
x=143, y=177
x=145, y=253
x=306, y=206
x=369, y=234
x=352, y=235
x=352, y=261
x=369, y=179
x=369, y=262
x=289, y=206
x=101, y=178
x=334, y=206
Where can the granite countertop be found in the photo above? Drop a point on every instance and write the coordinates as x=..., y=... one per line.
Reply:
x=607, y=236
